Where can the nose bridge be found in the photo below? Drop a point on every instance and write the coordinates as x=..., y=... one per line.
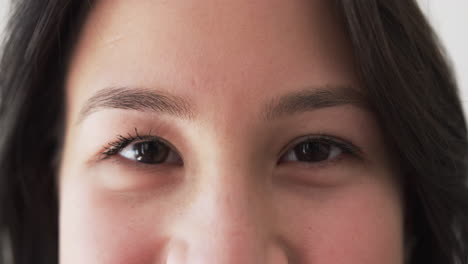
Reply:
x=219, y=229
x=225, y=220
x=227, y=217
x=223, y=223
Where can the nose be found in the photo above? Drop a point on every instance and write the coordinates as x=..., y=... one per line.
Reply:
x=227, y=221
x=180, y=253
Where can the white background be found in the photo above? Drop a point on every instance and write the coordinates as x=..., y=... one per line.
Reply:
x=449, y=18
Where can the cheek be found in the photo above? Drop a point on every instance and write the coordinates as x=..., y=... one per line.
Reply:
x=105, y=228
x=355, y=225
x=359, y=223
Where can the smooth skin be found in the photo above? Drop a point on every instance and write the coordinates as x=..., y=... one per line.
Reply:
x=231, y=190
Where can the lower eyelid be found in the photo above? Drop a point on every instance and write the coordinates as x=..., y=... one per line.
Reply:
x=118, y=160
x=323, y=163
x=313, y=167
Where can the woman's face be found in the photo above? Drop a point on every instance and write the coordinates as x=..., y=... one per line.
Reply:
x=222, y=132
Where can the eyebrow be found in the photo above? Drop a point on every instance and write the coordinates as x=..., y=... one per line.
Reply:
x=141, y=99
x=137, y=99
x=313, y=99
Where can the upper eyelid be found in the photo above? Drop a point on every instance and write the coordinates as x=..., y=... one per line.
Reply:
x=324, y=137
x=337, y=141
x=141, y=138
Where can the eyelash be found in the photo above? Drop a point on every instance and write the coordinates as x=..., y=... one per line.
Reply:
x=345, y=146
x=121, y=142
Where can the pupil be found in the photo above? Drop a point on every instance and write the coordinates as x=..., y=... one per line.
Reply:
x=150, y=152
x=312, y=151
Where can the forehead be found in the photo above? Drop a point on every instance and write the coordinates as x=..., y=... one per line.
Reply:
x=218, y=50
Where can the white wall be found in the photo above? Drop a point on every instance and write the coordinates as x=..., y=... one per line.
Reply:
x=449, y=17
x=450, y=20
x=3, y=14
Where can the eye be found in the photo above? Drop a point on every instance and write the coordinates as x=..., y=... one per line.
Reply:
x=143, y=149
x=150, y=152
x=315, y=150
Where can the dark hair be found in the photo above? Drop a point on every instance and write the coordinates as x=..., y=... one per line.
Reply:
x=409, y=83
